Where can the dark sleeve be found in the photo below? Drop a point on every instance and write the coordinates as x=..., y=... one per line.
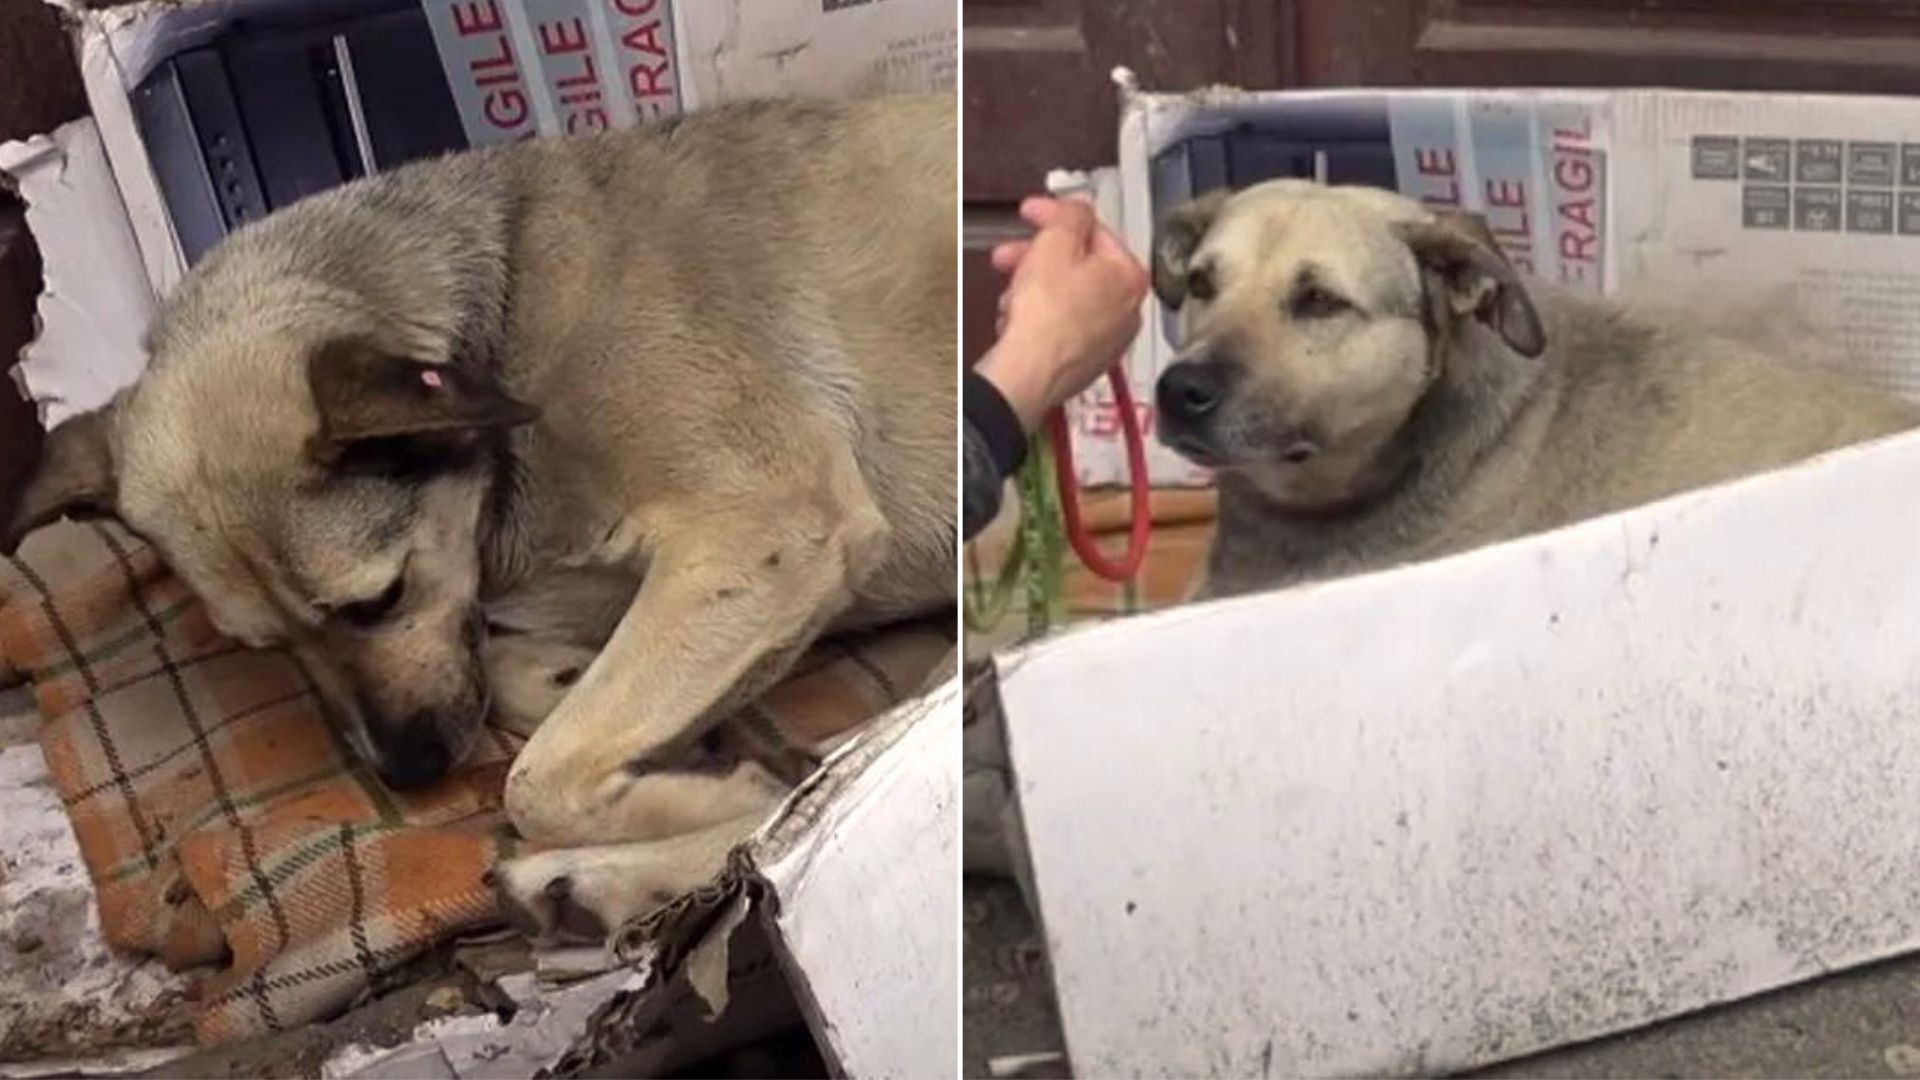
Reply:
x=993, y=446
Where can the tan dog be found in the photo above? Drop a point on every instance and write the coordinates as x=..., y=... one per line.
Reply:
x=1375, y=385
x=717, y=353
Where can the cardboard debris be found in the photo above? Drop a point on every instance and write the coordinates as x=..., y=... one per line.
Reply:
x=546, y=1025
x=108, y=1064
x=864, y=850
x=1015, y=1066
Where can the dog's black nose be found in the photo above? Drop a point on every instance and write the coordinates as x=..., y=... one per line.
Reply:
x=1191, y=389
x=413, y=756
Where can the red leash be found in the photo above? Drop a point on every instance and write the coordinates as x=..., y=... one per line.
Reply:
x=1142, y=508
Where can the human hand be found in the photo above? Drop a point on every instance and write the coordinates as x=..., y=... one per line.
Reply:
x=1069, y=312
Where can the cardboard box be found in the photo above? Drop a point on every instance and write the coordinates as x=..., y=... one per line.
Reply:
x=513, y=68
x=1814, y=197
x=1413, y=822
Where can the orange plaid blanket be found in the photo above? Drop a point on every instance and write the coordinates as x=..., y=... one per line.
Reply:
x=224, y=822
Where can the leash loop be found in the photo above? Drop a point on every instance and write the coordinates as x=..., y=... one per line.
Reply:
x=1128, y=565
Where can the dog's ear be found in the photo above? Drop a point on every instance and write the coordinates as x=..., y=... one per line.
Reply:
x=74, y=478
x=1459, y=252
x=1174, y=242
x=365, y=395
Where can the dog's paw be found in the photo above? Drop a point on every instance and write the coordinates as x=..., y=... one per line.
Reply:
x=581, y=895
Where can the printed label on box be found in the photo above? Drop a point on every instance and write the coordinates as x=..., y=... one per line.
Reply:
x=556, y=67
x=1816, y=209
x=1869, y=211
x=567, y=48
x=643, y=38
x=1716, y=158
x=1577, y=186
x=1766, y=206
x=1503, y=153
x=1870, y=164
x=1767, y=159
x=1533, y=169
x=485, y=71
x=1816, y=161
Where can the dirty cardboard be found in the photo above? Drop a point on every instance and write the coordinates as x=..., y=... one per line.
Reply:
x=1812, y=197
x=1412, y=822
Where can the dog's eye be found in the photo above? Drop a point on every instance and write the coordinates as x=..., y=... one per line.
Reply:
x=365, y=613
x=1199, y=284
x=1315, y=302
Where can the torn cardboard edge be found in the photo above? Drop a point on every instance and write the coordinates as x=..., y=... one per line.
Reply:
x=893, y=782
x=93, y=309
x=101, y=37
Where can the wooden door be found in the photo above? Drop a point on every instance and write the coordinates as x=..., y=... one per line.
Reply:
x=40, y=91
x=1840, y=46
x=1038, y=93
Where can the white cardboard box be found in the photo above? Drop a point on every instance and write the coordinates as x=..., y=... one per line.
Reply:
x=1416, y=821
x=1628, y=190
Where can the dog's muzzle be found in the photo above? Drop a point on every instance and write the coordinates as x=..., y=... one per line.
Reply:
x=413, y=756
x=1192, y=390
x=1188, y=398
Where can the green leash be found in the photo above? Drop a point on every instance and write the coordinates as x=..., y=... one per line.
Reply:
x=1036, y=563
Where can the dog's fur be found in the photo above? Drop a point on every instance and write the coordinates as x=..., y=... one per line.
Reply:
x=1375, y=385
x=544, y=633
x=715, y=355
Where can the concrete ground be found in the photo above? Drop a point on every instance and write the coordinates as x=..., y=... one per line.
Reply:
x=1863, y=1023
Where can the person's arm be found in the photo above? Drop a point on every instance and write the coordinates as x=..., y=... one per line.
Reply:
x=1068, y=312
x=995, y=444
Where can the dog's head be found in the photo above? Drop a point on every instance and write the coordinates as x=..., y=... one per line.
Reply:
x=1313, y=320
x=317, y=493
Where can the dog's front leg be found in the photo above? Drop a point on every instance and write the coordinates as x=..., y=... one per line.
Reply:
x=730, y=599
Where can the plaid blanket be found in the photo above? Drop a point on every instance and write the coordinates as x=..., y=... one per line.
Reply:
x=225, y=823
